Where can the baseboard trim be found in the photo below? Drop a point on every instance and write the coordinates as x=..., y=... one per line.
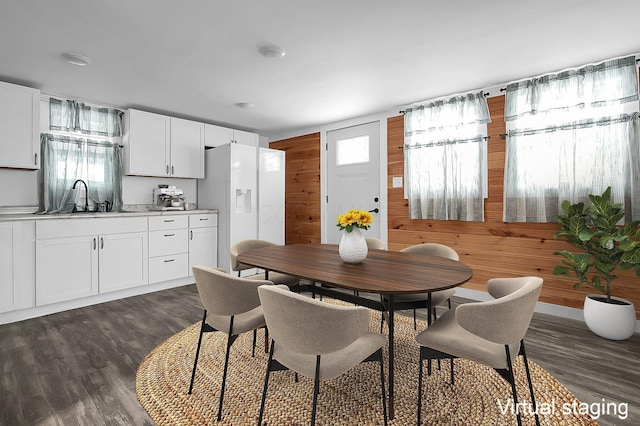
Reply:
x=541, y=307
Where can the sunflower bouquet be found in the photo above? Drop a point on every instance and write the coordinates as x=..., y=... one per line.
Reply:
x=355, y=218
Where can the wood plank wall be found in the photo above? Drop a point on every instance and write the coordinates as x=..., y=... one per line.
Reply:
x=492, y=248
x=302, y=188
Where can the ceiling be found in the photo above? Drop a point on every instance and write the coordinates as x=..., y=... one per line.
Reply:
x=197, y=59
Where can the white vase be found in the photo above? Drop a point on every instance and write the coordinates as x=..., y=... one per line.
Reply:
x=610, y=320
x=353, y=246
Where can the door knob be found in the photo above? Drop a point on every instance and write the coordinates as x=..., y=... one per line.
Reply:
x=374, y=210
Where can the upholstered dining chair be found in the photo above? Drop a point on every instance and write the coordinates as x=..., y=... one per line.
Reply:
x=231, y=306
x=246, y=245
x=375, y=243
x=490, y=333
x=317, y=339
x=437, y=297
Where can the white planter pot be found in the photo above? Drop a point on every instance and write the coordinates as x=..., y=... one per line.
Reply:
x=609, y=320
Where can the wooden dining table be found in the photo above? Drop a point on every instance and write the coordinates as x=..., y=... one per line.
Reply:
x=387, y=273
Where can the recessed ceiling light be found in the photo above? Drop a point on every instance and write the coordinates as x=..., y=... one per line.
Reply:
x=245, y=105
x=272, y=51
x=76, y=59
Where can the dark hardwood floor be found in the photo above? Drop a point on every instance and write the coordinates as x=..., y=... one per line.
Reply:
x=78, y=367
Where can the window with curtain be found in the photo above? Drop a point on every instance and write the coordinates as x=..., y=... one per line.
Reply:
x=66, y=157
x=569, y=135
x=445, y=158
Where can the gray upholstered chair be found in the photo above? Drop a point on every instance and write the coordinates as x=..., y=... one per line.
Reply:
x=246, y=245
x=490, y=333
x=317, y=339
x=437, y=297
x=374, y=243
x=231, y=306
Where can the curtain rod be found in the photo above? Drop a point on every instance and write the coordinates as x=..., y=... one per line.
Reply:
x=441, y=143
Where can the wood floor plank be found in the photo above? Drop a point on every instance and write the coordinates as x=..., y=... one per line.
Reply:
x=79, y=366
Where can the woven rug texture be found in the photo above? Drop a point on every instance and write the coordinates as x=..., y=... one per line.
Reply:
x=478, y=397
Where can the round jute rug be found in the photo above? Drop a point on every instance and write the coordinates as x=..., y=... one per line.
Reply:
x=478, y=397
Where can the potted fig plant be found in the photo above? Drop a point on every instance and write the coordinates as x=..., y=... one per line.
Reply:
x=604, y=246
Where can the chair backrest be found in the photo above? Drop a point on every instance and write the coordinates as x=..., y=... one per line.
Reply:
x=243, y=246
x=374, y=243
x=224, y=294
x=433, y=249
x=310, y=326
x=506, y=319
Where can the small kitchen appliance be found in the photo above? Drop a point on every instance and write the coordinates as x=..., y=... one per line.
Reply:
x=168, y=198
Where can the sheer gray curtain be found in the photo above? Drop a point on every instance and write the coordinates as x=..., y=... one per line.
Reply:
x=73, y=116
x=444, y=158
x=66, y=159
x=568, y=137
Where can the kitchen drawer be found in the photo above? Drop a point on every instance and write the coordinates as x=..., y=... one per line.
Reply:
x=165, y=268
x=158, y=223
x=204, y=220
x=167, y=242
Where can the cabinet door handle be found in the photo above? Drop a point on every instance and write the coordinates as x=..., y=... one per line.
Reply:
x=94, y=243
x=101, y=243
x=35, y=158
x=191, y=234
x=169, y=235
x=171, y=170
x=169, y=260
x=167, y=169
x=169, y=220
x=205, y=218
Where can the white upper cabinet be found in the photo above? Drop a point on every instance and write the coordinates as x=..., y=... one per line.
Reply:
x=187, y=148
x=218, y=135
x=147, y=144
x=19, y=121
x=158, y=145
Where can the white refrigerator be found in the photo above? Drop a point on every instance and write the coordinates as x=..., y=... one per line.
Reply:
x=246, y=185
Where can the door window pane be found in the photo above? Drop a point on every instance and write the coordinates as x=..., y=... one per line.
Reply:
x=353, y=150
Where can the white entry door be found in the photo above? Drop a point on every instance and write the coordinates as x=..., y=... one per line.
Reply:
x=353, y=176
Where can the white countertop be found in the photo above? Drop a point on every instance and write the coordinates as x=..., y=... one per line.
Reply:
x=97, y=215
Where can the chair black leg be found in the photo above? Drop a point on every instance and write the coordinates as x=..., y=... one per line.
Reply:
x=452, y=371
x=195, y=362
x=253, y=347
x=266, y=384
x=415, y=322
x=384, y=393
x=316, y=391
x=230, y=339
x=526, y=367
x=513, y=384
x=266, y=339
x=420, y=390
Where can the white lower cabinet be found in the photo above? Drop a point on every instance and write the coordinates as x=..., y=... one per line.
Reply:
x=122, y=261
x=83, y=257
x=66, y=268
x=203, y=240
x=47, y=264
x=10, y=261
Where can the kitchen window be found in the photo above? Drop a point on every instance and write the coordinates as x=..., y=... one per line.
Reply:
x=71, y=153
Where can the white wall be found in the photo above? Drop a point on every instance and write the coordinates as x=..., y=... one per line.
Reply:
x=139, y=189
x=19, y=187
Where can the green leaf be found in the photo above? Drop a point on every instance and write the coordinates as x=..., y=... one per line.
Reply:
x=561, y=270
